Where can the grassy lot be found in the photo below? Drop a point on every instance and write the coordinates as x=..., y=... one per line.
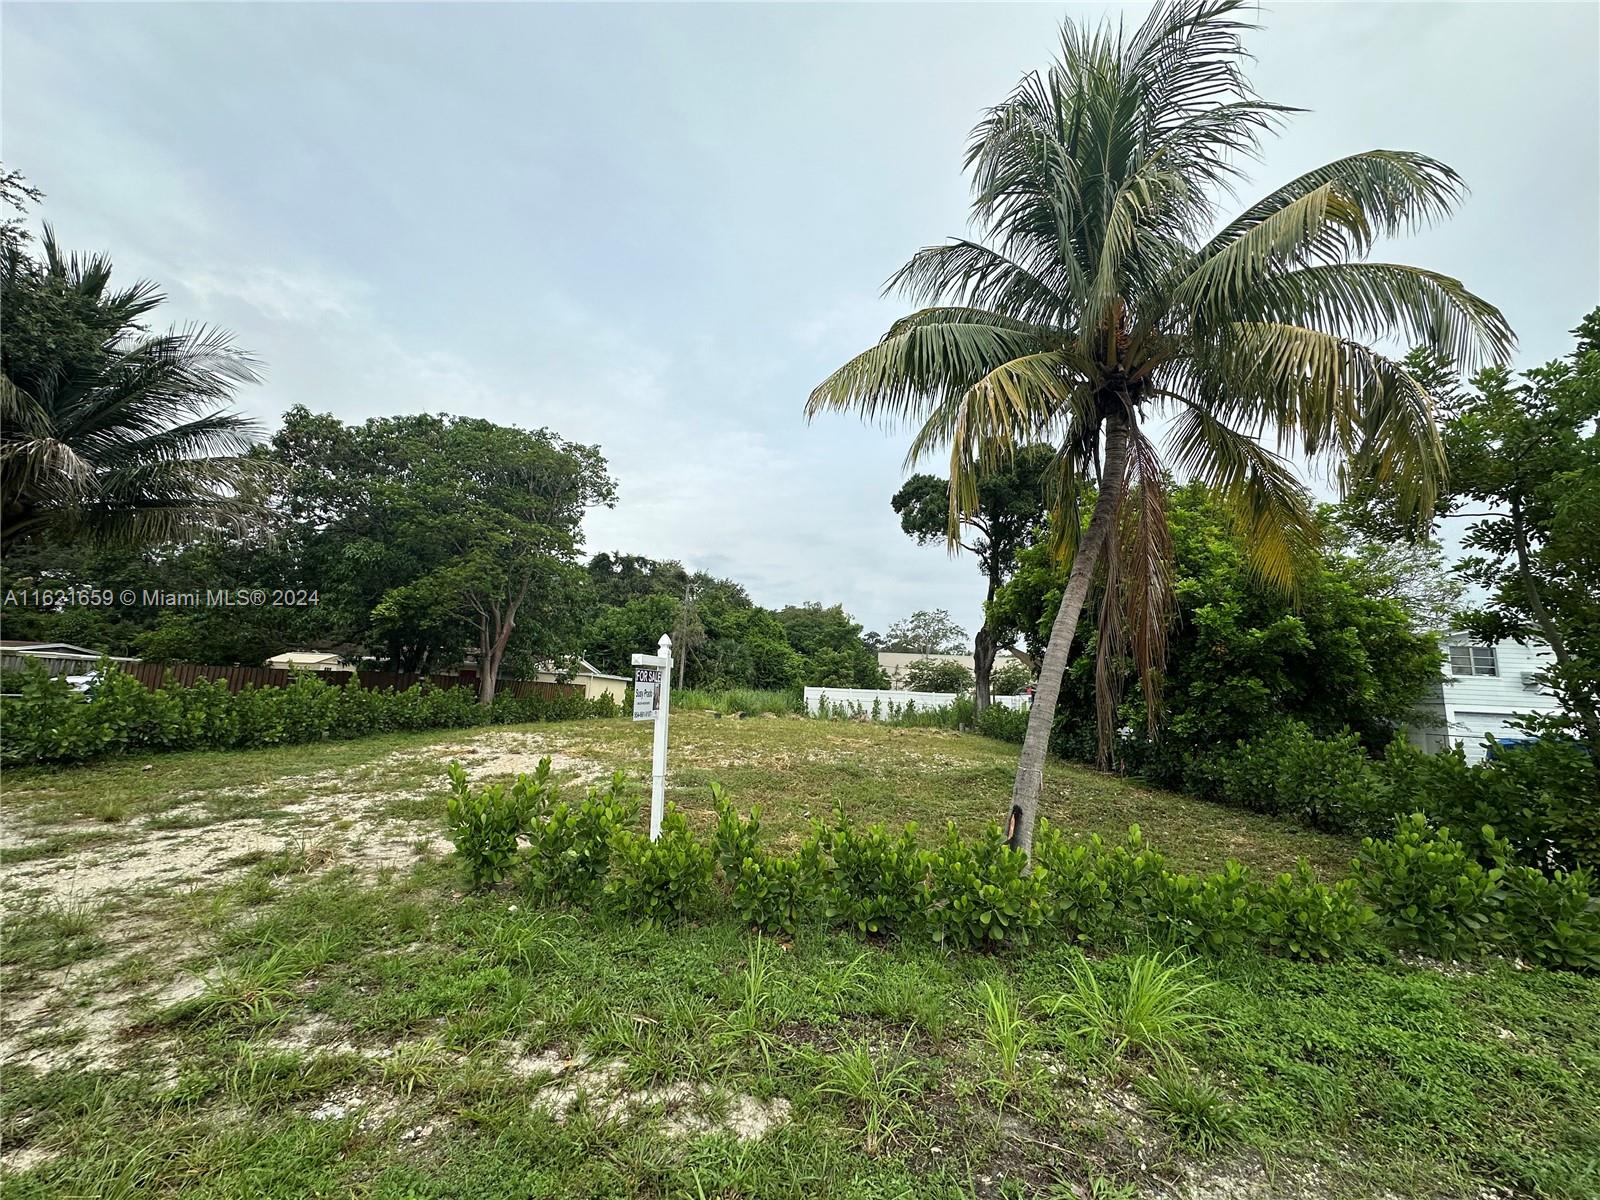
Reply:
x=255, y=974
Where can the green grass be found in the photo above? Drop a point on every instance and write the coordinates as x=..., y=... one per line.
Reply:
x=341, y=1032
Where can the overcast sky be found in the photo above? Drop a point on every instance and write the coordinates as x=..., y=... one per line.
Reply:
x=656, y=228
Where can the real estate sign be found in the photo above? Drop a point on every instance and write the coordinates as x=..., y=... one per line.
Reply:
x=646, y=692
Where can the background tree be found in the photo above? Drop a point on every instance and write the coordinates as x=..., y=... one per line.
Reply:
x=1104, y=290
x=1010, y=506
x=1010, y=679
x=1525, y=466
x=938, y=675
x=1243, y=655
x=108, y=431
x=830, y=642
x=926, y=632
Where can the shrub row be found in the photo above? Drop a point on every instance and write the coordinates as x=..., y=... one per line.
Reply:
x=1421, y=889
x=1542, y=800
x=51, y=723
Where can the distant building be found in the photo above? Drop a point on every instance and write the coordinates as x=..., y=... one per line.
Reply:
x=595, y=682
x=895, y=663
x=58, y=658
x=308, y=660
x=1482, y=689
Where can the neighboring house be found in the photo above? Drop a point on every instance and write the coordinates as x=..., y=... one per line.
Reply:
x=308, y=660
x=896, y=663
x=58, y=658
x=595, y=682
x=1482, y=689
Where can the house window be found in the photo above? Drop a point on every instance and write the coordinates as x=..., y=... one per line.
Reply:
x=1473, y=660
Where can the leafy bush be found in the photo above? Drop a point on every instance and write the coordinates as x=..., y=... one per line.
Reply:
x=735, y=837
x=980, y=892
x=570, y=846
x=661, y=881
x=1553, y=920
x=484, y=825
x=1430, y=892
x=1211, y=912
x=1326, y=782
x=1006, y=724
x=778, y=892
x=877, y=879
x=1302, y=917
x=50, y=723
x=1097, y=891
x=1543, y=799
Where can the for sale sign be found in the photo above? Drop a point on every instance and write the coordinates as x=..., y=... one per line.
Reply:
x=646, y=693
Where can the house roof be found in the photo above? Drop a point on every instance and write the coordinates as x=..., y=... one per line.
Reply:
x=55, y=650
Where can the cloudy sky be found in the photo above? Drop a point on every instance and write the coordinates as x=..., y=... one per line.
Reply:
x=657, y=227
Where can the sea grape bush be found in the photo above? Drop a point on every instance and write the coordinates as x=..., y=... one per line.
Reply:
x=662, y=881
x=570, y=844
x=1299, y=916
x=1430, y=891
x=980, y=892
x=485, y=825
x=51, y=723
x=876, y=884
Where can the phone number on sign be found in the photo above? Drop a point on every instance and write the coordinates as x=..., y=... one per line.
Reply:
x=89, y=597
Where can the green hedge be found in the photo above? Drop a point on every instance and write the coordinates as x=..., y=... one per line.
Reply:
x=1420, y=889
x=1543, y=800
x=51, y=723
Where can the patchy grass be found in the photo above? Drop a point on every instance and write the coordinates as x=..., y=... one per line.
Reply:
x=311, y=1019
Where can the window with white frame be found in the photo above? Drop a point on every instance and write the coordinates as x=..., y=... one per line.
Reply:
x=1473, y=660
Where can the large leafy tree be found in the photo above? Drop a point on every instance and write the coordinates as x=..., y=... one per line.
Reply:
x=1010, y=505
x=110, y=431
x=1104, y=293
x=438, y=532
x=1525, y=468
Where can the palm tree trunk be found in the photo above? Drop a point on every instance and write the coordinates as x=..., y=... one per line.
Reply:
x=1030, y=769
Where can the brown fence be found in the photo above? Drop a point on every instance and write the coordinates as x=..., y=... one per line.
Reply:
x=155, y=674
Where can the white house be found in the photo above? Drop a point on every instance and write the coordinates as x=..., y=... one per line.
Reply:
x=1482, y=689
x=308, y=660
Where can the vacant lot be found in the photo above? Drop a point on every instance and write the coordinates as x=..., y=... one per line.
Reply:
x=255, y=975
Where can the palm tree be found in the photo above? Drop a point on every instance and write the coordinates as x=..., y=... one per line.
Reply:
x=108, y=431
x=1103, y=294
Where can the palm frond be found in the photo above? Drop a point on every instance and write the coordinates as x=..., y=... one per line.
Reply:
x=1271, y=508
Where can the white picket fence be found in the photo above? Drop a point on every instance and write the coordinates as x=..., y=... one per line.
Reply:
x=876, y=704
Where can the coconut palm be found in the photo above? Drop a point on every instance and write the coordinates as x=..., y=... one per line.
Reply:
x=106, y=430
x=1104, y=299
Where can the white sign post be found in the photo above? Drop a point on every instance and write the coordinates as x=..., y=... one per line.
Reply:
x=652, y=687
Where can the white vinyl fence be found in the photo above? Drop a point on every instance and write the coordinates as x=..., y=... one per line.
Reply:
x=878, y=705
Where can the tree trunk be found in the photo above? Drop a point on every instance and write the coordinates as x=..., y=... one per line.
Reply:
x=984, y=647
x=1587, y=716
x=1047, y=690
x=495, y=635
x=983, y=651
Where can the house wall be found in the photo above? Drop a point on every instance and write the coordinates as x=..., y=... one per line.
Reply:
x=1463, y=708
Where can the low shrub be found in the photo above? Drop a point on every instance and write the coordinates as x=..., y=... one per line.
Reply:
x=1006, y=724
x=661, y=881
x=484, y=825
x=779, y=892
x=1209, y=912
x=980, y=892
x=876, y=885
x=1097, y=891
x=1329, y=783
x=1429, y=890
x=1553, y=920
x=1300, y=916
x=570, y=845
x=736, y=837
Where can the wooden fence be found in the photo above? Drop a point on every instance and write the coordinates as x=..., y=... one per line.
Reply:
x=155, y=674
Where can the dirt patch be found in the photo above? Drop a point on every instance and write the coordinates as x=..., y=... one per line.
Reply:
x=494, y=754
x=687, y=1110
